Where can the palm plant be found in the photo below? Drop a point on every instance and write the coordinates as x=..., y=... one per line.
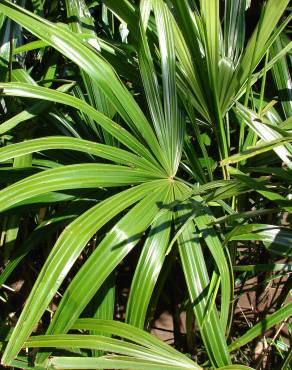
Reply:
x=153, y=171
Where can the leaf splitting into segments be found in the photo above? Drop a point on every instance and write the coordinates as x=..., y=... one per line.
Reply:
x=129, y=332
x=149, y=77
x=234, y=29
x=211, y=24
x=193, y=78
x=188, y=71
x=173, y=113
x=196, y=277
x=197, y=280
x=148, y=268
x=203, y=220
x=63, y=256
x=78, y=11
x=166, y=117
x=60, y=142
x=105, y=344
x=101, y=71
x=109, y=253
x=72, y=177
x=38, y=92
x=211, y=36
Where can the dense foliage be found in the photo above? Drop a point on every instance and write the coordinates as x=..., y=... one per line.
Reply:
x=145, y=167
